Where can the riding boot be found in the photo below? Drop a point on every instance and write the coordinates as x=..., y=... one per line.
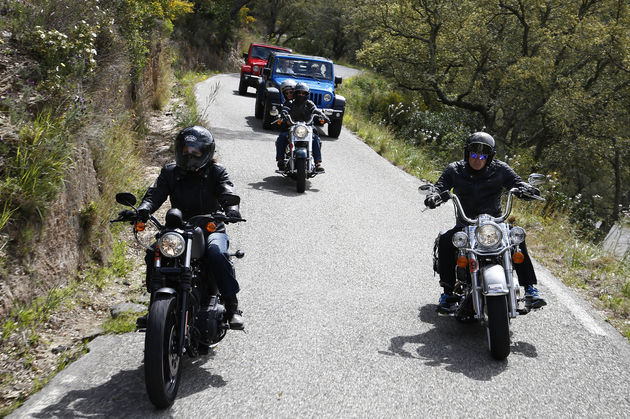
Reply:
x=233, y=314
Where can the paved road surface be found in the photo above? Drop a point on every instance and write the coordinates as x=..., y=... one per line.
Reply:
x=339, y=301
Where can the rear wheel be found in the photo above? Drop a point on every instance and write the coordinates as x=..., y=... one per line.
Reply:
x=498, y=325
x=300, y=168
x=242, y=87
x=334, y=128
x=162, y=364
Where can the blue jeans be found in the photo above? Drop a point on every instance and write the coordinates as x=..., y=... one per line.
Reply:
x=218, y=263
x=283, y=141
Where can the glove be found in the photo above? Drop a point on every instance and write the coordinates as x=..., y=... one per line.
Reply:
x=233, y=213
x=432, y=201
x=127, y=214
x=143, y=214
x=527, y=191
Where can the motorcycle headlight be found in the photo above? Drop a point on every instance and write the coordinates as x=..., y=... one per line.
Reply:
x=300, y=131
x=460, y=239
x=517, y=235
x=488, y=235
x=172, y=245
x=327, y=97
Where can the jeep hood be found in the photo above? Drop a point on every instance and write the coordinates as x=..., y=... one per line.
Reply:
x=316, y=85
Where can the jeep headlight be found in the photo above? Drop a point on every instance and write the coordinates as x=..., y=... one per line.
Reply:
x=460, y=239
x=256, y=69
x=517, y=235
x=327, y=97
x=488, y=235
x=172, y=244
x=274, y=111
x=300, y=131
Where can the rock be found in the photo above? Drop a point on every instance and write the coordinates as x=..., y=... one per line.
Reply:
x=125, y=307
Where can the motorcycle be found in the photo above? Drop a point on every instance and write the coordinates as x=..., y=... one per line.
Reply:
x=299, y=163
x=486, y=289
x=186, y=314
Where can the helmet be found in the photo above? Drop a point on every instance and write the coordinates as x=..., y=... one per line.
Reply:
x=286, y=85
x=194, y=148
x=301, y=87
x=480, y=143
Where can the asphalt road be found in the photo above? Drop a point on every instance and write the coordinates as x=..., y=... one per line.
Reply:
x=339, y=300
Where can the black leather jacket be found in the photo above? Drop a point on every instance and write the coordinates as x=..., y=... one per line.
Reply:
x=479, y=192
x=301, y=112
x=200, y=193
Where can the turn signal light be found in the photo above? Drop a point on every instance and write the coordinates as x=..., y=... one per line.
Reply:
x=279, y=122
x=140, y=226
x=462, y=261
x=211, y=227
x=518, y=257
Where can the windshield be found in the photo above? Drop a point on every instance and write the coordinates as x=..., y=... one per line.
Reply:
x=261, y=52
x=304, y=68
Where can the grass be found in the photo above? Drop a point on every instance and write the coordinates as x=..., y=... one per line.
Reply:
x=188, y=114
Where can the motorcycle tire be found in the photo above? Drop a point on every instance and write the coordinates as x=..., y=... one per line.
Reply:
x=300, y=168
x=498, y=326
x=162, y=364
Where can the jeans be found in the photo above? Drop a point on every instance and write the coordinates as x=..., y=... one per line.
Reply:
x=448, y=261
x=283, y=141
x=217, y=261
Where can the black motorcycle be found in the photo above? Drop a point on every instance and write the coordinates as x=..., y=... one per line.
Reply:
x=186, y=314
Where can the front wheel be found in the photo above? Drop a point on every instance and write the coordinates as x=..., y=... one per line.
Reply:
x=498, y=325
x=334, y=128
x=300, y=168
x=162, y=364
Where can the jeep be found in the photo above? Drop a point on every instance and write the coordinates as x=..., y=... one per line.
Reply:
x=255, y=60
x=316, y=72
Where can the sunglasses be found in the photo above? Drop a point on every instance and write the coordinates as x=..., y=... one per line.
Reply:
x=302, y=94
x=478, y=156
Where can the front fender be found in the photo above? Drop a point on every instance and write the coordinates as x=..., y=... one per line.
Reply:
x=301, y=153
x=165, y=291
x=494, y=281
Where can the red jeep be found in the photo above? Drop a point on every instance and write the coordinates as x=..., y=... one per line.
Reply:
x=255, y=60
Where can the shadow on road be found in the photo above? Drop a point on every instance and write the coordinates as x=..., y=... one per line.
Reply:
x=124, y=395
x=280, y=185
x=460, y=348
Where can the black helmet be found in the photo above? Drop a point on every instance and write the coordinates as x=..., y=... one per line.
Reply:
x=194, y=148
x=480, y=143
x=301, y=87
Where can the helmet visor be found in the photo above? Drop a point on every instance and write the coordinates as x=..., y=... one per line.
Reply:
x=480, y=151
x=193, y=154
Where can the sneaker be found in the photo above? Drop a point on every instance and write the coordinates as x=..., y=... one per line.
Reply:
x=533, y=298
x=319, y=167
x=446, y=305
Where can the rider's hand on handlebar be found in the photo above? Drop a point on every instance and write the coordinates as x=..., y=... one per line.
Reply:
x=527, y=191
x=143, y=214
x=433, y=200
x=233, y=213
x=126, y=214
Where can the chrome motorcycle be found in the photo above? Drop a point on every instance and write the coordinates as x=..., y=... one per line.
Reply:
x=486, y=289
x=186, y=314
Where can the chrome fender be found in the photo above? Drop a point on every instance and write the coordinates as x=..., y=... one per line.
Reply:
x=494, y=281
x=301, y=153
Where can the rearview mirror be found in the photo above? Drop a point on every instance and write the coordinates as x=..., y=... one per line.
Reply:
x=536, y=179
x=426, y=189
x=126, y=198
x=245, y=56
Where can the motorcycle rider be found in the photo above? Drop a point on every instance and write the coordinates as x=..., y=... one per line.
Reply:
x=300, y=109
x=197, y=184
x=478, y=180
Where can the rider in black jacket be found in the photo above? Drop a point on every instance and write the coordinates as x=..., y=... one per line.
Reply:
x=478, y=181
x=197, y=185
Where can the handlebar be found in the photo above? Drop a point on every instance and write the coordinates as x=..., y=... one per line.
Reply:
x=290, y=120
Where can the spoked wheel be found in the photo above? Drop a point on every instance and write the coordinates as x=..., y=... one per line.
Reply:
x=300, y=168
x=162, y=364
x=498, y=326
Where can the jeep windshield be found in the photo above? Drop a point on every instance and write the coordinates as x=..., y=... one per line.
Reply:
x=304, y=68
x=262, y=52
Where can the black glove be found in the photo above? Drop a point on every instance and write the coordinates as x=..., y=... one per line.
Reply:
x=527, y=191
x=127, y=214
x=432, y=201
x=233, y=213
x=326, y=119
x=143, y=214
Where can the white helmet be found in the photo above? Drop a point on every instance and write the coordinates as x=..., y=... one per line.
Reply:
x=287, y=84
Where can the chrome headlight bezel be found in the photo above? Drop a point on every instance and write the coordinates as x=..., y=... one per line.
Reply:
x=488, y=235
x=172, y=244
x=327, y=97
x=460, y=239
x=517, y=235
x=300, y=131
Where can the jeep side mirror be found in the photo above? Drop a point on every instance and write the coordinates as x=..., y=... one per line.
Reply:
x=266, y=72
x=338, y=81
x=245, y=54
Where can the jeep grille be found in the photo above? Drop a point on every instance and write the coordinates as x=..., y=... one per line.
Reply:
x=317, y=98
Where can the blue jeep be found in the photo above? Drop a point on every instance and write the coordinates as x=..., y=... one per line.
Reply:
x=316, y=72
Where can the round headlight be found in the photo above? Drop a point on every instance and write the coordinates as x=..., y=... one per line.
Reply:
x=517, y=235
x=300, y=131
x=327, y=97
x=256, y=68
x=488, y=235
x=460, y=239
x=274, y=111
x=172, y=245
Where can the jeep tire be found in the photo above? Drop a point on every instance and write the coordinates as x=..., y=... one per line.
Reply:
x=334, y=128
x=258, y=108
x=242, y=86
x=266, y=117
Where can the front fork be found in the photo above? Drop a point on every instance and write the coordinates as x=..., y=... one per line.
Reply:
x=478, y=286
